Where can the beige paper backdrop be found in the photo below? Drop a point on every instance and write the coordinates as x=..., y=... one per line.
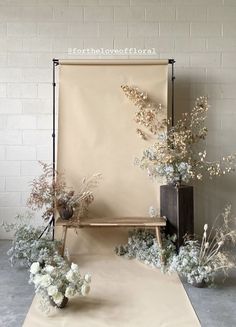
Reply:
x=97, y=130
x=97, y=133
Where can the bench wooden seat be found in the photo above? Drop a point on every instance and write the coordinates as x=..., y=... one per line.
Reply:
x=142, y=222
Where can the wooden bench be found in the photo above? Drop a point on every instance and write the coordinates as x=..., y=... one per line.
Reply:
x=142, y=222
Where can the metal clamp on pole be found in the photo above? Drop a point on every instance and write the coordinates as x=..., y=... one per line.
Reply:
x=172, y=62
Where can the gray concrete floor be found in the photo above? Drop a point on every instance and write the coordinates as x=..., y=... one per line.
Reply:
x=15, y=293
x=215, y=307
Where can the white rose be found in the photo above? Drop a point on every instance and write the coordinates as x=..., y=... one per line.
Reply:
x=87, y=277
x=49, y=269
x=52, y=290
x=70, y=276
x=57, y=298
x=70, y=291
x=74, y=267
x=85, y=289
x=37, y=279
x=205, y=227
x=46, y=280
x=35, y=267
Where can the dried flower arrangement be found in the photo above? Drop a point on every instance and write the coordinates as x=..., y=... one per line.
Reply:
x=175, y=155
x=147, y=114
x=48, y=191
x=200, y=260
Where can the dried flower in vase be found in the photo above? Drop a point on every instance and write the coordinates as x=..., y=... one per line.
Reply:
x=48, y=192
x=147, y=114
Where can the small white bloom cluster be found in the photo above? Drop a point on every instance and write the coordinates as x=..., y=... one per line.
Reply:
x=26, y=245
x=56, y=280
x=142, y=245
x=175, y=172
x=187, y=264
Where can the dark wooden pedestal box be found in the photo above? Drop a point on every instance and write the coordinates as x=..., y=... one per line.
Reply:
x=176, y=204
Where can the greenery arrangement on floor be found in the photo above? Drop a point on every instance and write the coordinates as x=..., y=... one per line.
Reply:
x=199, y=259
x=142, y=245
x=27, y=246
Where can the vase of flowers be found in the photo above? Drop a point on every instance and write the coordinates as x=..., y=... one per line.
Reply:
x=49, y=193
x=57, y=281
x=65, y=211
x=199, y=260
x=61, y=305
x=201, y=284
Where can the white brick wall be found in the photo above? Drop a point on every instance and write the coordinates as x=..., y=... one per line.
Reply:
x=199, y=34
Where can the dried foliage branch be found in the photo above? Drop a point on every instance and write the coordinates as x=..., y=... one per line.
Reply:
x=147, y=114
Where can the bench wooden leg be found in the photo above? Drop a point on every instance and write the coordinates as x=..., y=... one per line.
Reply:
x=64, y=233
x=159, y=242
x=158, y=234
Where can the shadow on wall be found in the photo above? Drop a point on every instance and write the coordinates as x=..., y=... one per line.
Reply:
x=210, y=196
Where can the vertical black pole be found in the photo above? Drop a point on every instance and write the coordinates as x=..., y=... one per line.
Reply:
x=55, y=63
x=172, y=62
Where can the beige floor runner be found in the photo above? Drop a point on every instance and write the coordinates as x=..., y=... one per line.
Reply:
x=124, y=293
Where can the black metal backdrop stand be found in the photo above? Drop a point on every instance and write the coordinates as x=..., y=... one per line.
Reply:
x=56, y=63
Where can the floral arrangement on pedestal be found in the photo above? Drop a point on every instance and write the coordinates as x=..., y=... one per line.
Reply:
x=50, y=192
x=56, y=281
x=175, y=155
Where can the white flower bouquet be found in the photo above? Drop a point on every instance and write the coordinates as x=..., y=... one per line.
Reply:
x=56, y=281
